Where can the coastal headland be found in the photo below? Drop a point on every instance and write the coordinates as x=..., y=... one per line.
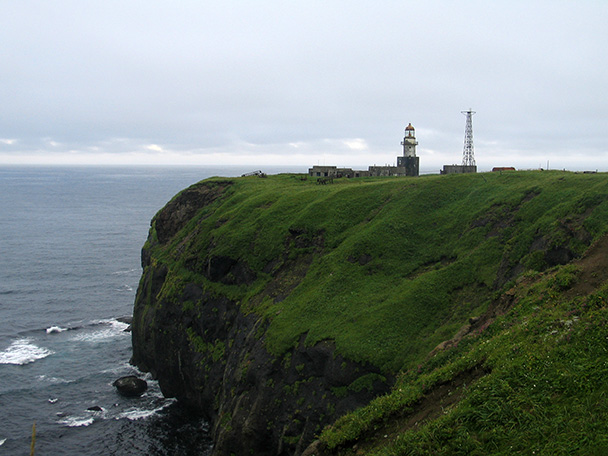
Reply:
x=434, y=314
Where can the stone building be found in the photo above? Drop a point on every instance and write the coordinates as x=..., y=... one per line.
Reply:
x=334, y=171
x=407, y=165
x=458, y=169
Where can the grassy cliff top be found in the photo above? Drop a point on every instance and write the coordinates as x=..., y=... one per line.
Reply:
x=388, y=268
x=528, y=377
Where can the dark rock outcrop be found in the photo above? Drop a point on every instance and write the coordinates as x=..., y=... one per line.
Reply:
x=559, y=255
x=127, y=319
x=130, y=386
x=178, y=212
x=213, y=359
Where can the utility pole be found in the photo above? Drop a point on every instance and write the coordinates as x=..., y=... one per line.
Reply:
x=468, y=153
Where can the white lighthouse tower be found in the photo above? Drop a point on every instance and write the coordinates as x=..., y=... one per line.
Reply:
x=409, y=142
x=409, y=161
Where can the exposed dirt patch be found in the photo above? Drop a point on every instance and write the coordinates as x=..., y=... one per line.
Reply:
x=436, y=402
x=288, y=271
x=362, y=259
x=594, y=269
x=501, y=216
x=594, y=272
x=432, y=265
x=286, y=279
x=496, y=308
x=495, y=220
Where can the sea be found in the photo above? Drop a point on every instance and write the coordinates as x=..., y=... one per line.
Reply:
x=70, y=248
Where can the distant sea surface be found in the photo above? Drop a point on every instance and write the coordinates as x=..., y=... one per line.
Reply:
x=70, y=242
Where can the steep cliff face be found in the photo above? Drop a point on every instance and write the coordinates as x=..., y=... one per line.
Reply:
x=274, y=306
x=209, y=353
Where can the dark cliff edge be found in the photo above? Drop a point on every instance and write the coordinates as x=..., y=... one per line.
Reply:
x=274, y=307
x=209, y=354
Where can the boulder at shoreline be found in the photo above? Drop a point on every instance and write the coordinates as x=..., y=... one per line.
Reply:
x=130, y=386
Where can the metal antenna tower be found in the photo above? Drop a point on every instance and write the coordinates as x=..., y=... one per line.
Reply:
x=468, y=153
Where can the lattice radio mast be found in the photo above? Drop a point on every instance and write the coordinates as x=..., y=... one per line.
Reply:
x=468, y=153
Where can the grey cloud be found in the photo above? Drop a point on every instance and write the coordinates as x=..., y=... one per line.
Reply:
x=212, y=75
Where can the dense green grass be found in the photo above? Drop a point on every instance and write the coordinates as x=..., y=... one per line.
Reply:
x=388, y=268
x=433, y=247
x=544, y=393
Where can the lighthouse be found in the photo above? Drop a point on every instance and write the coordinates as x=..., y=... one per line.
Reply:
x=409, y=161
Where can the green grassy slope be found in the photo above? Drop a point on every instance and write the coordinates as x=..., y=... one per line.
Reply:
x=531, y=382
x=386, y=267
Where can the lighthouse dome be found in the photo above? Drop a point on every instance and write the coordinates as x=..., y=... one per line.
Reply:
x=410, y=131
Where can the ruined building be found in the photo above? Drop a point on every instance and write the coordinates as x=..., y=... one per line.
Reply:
x=407, y=165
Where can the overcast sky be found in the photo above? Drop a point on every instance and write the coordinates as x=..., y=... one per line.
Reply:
x=303, y=82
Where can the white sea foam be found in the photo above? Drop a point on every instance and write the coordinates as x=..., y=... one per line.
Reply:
x=120, y=368
x=76, y=421
x=128, y=271
x=154, y=393
x=23, y=351
x=55, y=329
x=103, y=330
x=138, y=414
x=116, y=325
x=53, y=380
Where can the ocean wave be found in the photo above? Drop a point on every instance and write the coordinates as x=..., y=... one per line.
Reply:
x=55, y=329
x=23, y=351
x=139, y=414
x=52, y=380
x=114, y=323
x=120, y=368
x=104, y=330
x=76, y=421
x=128, y=271
x=155, y=394
x=117, y=323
